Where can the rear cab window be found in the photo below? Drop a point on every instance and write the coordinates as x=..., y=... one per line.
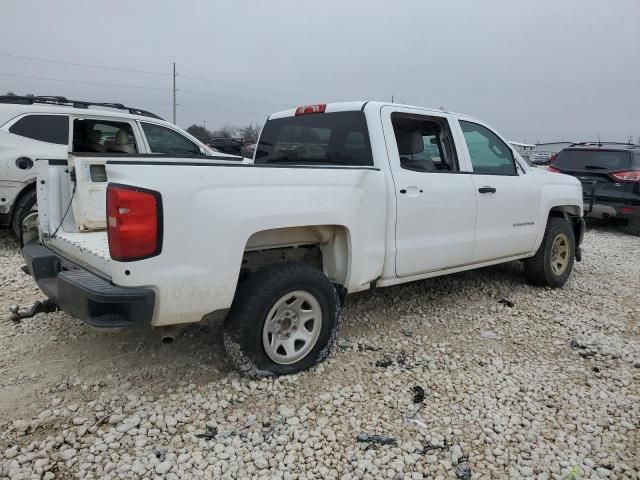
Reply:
x=337, y=138
x=44, y=128
x=593, y=160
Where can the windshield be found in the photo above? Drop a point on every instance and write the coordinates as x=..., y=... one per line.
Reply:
x=338, y=138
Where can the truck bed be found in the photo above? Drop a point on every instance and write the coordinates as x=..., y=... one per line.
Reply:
x=90, y=248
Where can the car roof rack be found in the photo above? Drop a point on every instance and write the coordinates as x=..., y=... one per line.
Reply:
x=55, y=100
x=599, y=144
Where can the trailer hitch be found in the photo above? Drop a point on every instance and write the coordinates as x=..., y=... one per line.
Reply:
x=45, y=306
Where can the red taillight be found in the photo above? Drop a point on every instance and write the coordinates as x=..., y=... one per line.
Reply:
x=628, y=176
x=134, y=223
x=311, y=109
x=551, y=168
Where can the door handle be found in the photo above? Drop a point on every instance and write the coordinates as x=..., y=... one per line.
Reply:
x=487, y=190
x=412, y=191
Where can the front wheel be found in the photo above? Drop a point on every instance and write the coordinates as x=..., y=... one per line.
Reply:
x=284, y=319
x=553, y=262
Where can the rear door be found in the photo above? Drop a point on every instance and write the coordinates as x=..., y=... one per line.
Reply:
x=594, y=168
x=436, y=203
x=508, y=199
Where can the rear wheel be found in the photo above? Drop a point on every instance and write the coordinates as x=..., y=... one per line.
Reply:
x=284, y=319
x=23, y=207
x=553, y=262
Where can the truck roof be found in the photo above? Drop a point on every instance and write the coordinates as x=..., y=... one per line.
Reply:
x=360, y=105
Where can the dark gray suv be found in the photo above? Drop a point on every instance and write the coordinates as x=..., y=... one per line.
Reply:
x=610, y=177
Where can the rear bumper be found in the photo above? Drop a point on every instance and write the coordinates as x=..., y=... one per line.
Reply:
x=84, y=295
x=621, y=211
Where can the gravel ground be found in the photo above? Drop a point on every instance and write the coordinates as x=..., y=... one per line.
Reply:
x=457, y=385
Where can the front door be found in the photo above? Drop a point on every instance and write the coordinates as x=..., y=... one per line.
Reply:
x=435, y=202
x=508, y=197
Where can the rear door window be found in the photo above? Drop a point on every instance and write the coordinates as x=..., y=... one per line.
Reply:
x=592, y=160
x=424, y=143
x=103, y=136
x=165, y=140
x=339, y=138
x=44, y=128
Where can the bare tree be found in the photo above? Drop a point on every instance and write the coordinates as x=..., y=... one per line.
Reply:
x=249, y=133
x=200, y=133
x=227, y=131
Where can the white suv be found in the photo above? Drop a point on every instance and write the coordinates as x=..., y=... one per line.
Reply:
x=52, y=127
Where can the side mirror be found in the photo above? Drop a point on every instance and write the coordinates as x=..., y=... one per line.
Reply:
x=202, y=151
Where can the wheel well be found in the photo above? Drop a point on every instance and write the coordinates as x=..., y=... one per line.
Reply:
x=325, y=247
x=28, y=188
x=569, y=212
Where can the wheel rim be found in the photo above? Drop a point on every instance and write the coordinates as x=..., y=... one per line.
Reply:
x=560, y=254
x=292, y=327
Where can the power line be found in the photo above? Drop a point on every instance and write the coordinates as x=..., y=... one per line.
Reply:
x=84, y=82
x=104, y=67
x=232, y=98
x=225, y=111
x=127, y=86
x=148, y=72
x=244, y=86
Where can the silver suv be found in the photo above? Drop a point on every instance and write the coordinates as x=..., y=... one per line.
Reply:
x=54, y=127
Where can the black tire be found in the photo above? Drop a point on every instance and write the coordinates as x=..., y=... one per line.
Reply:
x=538, y=269
x=22, y=208
x=255, y=297
x=633, y=227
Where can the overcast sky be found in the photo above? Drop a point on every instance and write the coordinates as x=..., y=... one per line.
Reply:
x=536, y=70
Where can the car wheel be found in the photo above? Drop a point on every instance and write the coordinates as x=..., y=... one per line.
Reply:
x=553, y=262
x=284, y=319
x=25, y=205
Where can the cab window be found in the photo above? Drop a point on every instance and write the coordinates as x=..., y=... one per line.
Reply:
x=338, y=138
x=165, y=140
x=424, y=143
x=489, y=155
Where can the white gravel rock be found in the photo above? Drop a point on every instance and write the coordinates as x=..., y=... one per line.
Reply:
x=532, y=391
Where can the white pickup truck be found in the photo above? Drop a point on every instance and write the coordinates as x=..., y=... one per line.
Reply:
x=341, y=198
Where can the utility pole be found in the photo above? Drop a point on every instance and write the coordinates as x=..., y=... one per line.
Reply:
x=204, y=124
x=391, y=98
x=174, y=93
